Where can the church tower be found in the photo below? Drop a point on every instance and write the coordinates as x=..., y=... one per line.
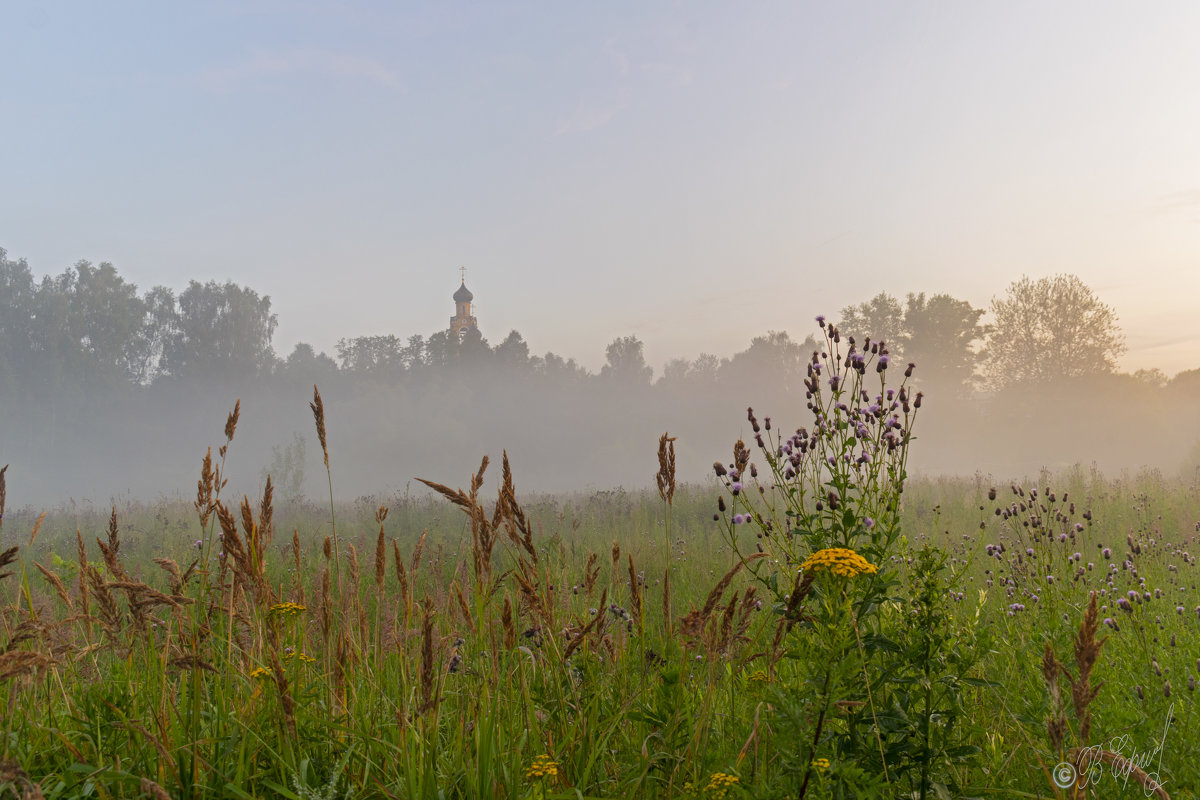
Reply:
x=462, y=320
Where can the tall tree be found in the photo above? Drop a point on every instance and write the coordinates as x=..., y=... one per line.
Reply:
x=771, y=360
x=221, y=330
x=881, y=318
x=626, y=362
x=1051, y=328
x=379, y=355
x=939, y=334
x=17, y=312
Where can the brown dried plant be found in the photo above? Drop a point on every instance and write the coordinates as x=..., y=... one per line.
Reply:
x=665, y=478
x=3, y=494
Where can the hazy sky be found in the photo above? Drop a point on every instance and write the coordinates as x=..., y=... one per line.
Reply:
x=695, y=174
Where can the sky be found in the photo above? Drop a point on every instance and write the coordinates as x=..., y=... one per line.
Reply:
x=694, y=174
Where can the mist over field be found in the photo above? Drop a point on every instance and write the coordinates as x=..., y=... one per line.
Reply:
x=112, y=393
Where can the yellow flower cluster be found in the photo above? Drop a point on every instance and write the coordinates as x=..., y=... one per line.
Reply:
x=542, y=767
x=287, y=609
x=840, y=561
x=305, y=657
x=719, y=784
x=260, y=672
x=821, y=764
x=758, y=676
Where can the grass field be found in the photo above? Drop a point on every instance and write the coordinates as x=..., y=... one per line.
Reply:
x=831, y=636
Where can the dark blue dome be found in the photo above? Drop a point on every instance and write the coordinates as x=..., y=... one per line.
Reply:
x=463, y=295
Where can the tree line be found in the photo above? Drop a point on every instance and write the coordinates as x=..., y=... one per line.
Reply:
x=107, y=389
x=90, y=326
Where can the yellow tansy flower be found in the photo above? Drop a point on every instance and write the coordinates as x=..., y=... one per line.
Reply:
x=287, y=609
x=260, y=672
x=719, y=784
x=840, y=561
x=542, y=767
x=821, y=764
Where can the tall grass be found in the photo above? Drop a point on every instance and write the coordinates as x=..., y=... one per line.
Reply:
x=610, y=644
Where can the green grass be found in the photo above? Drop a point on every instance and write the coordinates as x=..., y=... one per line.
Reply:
x=638, y=710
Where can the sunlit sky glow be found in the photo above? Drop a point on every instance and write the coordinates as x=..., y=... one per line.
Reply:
x=694, y=174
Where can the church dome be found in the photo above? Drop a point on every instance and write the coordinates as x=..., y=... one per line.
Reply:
x=463, y=295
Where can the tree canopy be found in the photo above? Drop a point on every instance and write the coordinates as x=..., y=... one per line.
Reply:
x=1048, y=329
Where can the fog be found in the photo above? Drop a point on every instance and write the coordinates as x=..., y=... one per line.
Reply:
x=83, y=424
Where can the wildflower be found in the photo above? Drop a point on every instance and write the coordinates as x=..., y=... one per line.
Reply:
x=719, y=784
x=821, y=764
x=542, y=767
x=840, y=561
x=260, y=672
x=287, y=609
x=758, y=676
x=199, y=544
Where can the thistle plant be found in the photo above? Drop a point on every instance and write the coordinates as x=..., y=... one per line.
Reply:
x=824, y=511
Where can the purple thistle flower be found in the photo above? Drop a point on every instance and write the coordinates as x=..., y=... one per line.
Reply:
x=1107, y=553
x=868, y=523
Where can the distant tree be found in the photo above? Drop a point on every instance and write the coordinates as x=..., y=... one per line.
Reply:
x=220, y=330
x=559, y=370
x=1051, y=328
x=512, y=354
x=306, y=363
x=881, y=318
x=413, y=354
x=771, y=360
x=1153, y=377
x=17, y=315
x=626, y=362
x=377, y=355
x=939, y=334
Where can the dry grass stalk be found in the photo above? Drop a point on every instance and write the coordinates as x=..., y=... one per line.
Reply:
x=205, y=489
x=401, y=576
x=428, y=676
x=174, y=577
x=266, y=515
x=84, y=605
x=415, y=564
x=285, y=695
x=232, y=420
x=16, y=663
x=6, y=558
x=666, y=469
x=593, y=625
x=353, y=564
x=510, y=628
x=635, y=593
x=324, y=612
x=515, y=522
x=152, y=789
x=1087, y=651
x=463, y=608
x=37, y=526
x=318, y=409
x=110, y=617
x=3, y=494
x=57, y=583
x=110, y=550
x=12, y=774
x=591, y=572
x=380, y=550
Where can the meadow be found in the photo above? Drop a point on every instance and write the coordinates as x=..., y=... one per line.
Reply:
x=813, y=622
